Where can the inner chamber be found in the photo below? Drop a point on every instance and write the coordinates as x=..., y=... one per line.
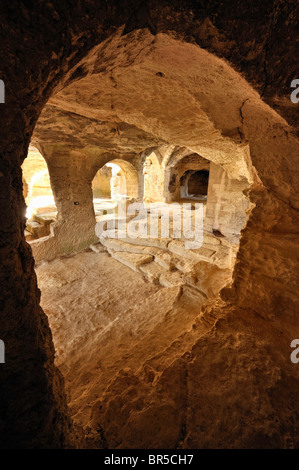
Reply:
x=116, y=304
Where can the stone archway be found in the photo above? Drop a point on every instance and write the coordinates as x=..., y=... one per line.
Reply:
x=125, y=180
x=232, y=156
x=197, y=183
x=179, y=170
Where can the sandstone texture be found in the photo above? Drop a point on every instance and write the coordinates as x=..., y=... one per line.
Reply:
x=199, y=356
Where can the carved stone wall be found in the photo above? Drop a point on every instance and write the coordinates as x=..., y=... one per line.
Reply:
x=214, y=78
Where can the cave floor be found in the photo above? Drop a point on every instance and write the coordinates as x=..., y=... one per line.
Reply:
x=106, y=318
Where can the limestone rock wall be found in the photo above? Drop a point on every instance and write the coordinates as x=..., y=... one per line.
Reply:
x=227, y=206
x=153, y=179
x=257, y=40
x=174, y=183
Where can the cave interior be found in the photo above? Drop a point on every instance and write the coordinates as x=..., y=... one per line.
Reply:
x=116, y=340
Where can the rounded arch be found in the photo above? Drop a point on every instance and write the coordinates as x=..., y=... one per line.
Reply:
x=197, y=183
x=180, y=170
x=117, y=178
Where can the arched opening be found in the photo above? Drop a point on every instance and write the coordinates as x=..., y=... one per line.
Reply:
x=188, y=177
x=41, y=209
x=116, y=180
x=101, y=184
x=197, y=184
x=133, y=282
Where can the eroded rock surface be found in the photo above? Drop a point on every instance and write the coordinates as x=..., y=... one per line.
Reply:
x=213, y=79
x=145, y=366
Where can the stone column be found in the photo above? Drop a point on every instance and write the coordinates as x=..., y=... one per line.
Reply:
x=71, y=183
x=226, y=204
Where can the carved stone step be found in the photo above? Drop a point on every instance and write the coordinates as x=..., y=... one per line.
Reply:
x=162, y=257
x=153, y=271
x=171, y=279
x=44, y=219
x=133, y=261
x=28, y=236
x=37, y=230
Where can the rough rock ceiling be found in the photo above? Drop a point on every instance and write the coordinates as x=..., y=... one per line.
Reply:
x=135, y=85
x=75, y=131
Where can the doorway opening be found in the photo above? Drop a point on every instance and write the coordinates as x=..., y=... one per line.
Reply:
x=116, y=180
x=41, y=209
x=194, y=184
